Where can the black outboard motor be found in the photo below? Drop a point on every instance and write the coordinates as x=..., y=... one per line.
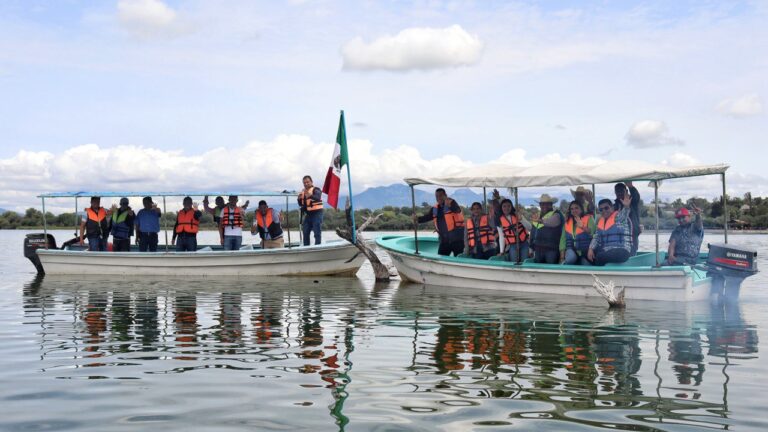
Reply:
x=33, y=242
x=729, y=265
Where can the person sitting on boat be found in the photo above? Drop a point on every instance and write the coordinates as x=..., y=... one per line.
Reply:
x=148, y=225
x=121, y=226
x=95, y=226
x=612, y=242
x=584, y=196
x=231, y=225
x=187, y=226
x=685, y=241
x=621, y=190
x=479, y=234
x=514, y=230
x=449, y=223
x=219, y=207
x=549, y=229
x=268, y=223
x=577, y=235
x=311, y=205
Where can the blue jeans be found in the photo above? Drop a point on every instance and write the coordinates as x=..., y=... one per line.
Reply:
x=572, y=258
x=313, y=222
x=148, y=241
x=523, y=252
x=96, y=244
x=233, y=242
x=186, y=244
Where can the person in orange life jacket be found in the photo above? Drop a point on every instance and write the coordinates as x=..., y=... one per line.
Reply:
x=311, y=205
x=121, y=226
x=514, y=229
x=549, y=229
x=95, y=226
x=685, y=241
x=577, y=235
x=584, y=196
x=612, y=242
x=187, y=226
x=621, y=190
x=269, y=226
x=147, y=226
x=219, y=207
x=231, y=225
x=449, y=223
x=479, y=234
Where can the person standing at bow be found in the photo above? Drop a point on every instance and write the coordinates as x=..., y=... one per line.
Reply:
x=311, y=205
x=121, y=226
x=449, y=222
x=95, y=226
x=231, y=225
x=268, y=224
x=187, y=226
x=479, y=234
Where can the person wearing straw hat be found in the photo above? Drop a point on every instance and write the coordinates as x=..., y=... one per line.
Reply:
x=584, y=197
x=685, y=241
x=549, y=229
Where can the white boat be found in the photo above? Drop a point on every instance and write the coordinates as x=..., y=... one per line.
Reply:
x=718, y=274
x=337, y=257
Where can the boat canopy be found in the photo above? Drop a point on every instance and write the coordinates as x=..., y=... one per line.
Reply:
x=108, y=194
x=564, y=174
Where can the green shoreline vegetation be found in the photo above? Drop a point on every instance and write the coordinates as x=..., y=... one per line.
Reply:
x=746, y=213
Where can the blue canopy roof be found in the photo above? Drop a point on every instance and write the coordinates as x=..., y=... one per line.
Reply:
x=118, y=194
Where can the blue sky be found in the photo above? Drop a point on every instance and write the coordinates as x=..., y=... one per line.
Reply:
x=156, y=93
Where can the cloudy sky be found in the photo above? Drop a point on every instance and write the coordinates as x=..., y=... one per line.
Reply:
x=175, y=94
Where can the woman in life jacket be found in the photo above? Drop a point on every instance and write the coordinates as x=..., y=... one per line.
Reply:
x=577, y=235
x=514, y=230
x=479, y=234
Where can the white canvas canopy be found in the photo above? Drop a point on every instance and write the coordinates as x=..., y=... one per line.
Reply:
x=564, y=174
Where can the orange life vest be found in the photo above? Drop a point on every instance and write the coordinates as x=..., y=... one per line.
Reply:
x=452, y=220
x=237, y=217
x=575, y=237
x=610, y=233
x=485, y=232
x=510, y=228
x=96, y=216
x=306, y=200
x=268, y=224
x=186, y=222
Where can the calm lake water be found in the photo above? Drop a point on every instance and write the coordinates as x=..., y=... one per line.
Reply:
x=111, y=354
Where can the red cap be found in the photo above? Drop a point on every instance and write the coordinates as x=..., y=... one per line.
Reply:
x=682, y=212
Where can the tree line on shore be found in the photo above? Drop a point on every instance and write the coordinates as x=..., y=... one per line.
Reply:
x=744, y=213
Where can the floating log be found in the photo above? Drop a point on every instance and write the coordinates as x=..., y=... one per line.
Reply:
x=380, y=270
x=608, y=291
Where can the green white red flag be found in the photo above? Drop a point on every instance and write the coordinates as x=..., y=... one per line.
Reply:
x=339, y=159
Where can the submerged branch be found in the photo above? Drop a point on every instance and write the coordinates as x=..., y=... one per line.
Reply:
x=380, y=270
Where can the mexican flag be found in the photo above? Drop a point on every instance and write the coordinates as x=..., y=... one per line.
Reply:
x=339, y=159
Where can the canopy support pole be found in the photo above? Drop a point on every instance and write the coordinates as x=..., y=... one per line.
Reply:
x=415, y=222
x=287, y=224
x=516, y=203
x=76, y=224
x=45, y=226
x=725, y=210
x=165, y=226
x=656, y=216
x=485, y=200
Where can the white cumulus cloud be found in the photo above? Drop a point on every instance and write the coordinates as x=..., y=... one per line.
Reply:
x=649, y=134
x=414, y=49
x=147, y=18
x=744, y=106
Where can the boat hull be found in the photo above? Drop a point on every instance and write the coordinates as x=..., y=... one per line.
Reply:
x=333, y=258
x=641, y=283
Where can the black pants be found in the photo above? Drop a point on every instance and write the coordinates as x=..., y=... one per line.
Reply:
x=121, y=245
x=479, y=253
x=446, y=248
x=187, y=243
x=148, y=242
x=546, y=256
x=616, y=255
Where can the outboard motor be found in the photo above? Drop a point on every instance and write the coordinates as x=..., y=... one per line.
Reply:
x=729, y=265
x=33, y=242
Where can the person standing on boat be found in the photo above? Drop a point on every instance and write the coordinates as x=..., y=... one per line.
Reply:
x=621, y=190
x=187, y=226
x=685, y=241
x=514, y=229
x=612, y=242
x=121, y=226
x=549, y=229
x=449, y=223
x=584, y=196
x=577, y=235
x=216, y=211
x=231, y=225
x=479, y=234
x=268, y=224
x=148, y=225
x=311, y=205
x=95, y=226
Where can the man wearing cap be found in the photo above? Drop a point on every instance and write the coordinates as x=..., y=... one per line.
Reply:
x=685, y=241
x=621, y=190
x=121, y=226
x=549, y=229
x=148, y=225
x=267, y=223
x=231, y=225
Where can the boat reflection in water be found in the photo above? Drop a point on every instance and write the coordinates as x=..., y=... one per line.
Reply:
x=346, y=352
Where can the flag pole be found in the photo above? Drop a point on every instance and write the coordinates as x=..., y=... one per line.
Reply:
x=343, y=129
